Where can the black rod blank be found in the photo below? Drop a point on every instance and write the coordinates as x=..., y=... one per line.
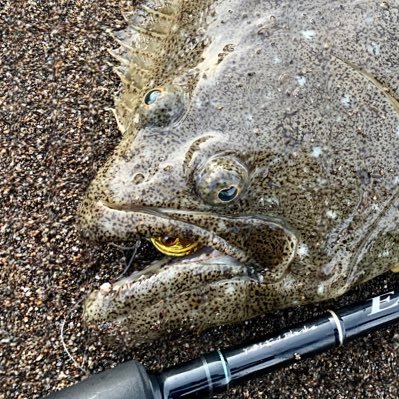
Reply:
x=217, y=371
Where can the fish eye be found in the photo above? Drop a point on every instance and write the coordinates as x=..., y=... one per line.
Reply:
x=163, y=106
x=152, y=96
x=228, y=194
x=222, y=180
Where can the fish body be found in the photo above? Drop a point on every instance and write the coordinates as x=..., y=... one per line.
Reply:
x=267, y=132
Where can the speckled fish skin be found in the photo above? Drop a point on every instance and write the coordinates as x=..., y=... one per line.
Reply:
x=294, y=104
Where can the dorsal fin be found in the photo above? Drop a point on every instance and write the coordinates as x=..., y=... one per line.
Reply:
x=155, y=29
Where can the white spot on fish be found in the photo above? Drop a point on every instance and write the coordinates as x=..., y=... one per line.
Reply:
x=397, y=131
x=346, y=100
x=105, y=288
x=322, y=182
x=320, y=289
x=385, y=254
x=230, y=290
x=316, y=152
x=277, y=60
x=303, y=250
x=308, y=34
x=374, y=49
x=273, y=201
x=248, y=120
x=301, y=80
x=369, y=19
x=331, y=214
x=375, y=207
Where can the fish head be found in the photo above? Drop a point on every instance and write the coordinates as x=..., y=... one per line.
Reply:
x=177, y=174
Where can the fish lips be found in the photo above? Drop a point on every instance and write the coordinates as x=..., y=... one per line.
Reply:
x=267, y=243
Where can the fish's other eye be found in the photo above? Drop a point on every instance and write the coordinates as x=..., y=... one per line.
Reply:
x=163, y=106
x=222, y=180
x=152, y=96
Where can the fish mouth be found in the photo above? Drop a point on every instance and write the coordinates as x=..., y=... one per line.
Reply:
x=219, y=283
x=173, y=294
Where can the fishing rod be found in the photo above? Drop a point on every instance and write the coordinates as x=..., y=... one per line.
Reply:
x=215, y=372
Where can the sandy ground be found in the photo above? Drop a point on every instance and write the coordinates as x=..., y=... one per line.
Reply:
x=55, y=83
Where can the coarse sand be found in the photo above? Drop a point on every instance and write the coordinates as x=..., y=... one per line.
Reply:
x=55, y=85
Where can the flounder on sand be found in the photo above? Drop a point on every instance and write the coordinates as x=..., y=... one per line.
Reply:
x=260, y=151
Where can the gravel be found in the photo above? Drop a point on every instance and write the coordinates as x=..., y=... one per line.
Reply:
x=55, y=85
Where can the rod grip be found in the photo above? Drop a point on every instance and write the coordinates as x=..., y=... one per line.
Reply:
x=128, y=380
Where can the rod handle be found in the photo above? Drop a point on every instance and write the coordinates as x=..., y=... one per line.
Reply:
x=128, y=380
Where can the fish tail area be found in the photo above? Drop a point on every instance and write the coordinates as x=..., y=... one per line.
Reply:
x=155, y=28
